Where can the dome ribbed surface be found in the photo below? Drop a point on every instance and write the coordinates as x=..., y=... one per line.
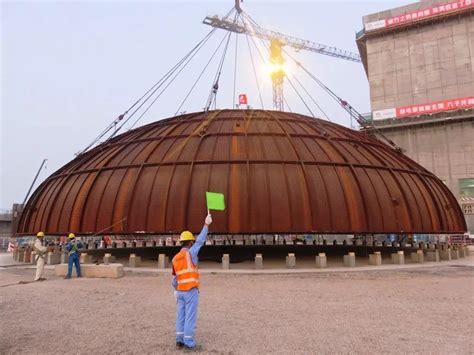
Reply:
x=280, y=173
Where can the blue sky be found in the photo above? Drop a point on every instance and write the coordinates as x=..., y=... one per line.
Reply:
x=69, y=68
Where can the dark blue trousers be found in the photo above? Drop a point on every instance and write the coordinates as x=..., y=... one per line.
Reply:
x=73, y=259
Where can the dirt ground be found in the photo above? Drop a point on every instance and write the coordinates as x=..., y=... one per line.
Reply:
x=426, y=310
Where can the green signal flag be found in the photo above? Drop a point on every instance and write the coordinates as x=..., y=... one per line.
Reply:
x=215, y=201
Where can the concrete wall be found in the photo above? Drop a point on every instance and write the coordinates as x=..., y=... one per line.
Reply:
x=421, y=64
x=445, y=148
x=5, y=229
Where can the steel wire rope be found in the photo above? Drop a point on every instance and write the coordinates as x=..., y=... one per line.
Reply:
x=191, y=53
x=319, y=82
x=254, y=71
x=359, y=118
x=196, y=47
x=299, y=95
x=284, y=99
x=154, y=88
x=166, y=87
x=263, y=61
x=200, y=75
x=262, y=58
x=260, y=54
x=215, y=87
x=311, y=97
x=235, y=68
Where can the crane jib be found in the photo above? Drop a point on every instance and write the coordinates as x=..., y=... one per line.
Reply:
x=294, y=42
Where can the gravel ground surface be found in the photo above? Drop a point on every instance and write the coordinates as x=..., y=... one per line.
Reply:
x=427, y=310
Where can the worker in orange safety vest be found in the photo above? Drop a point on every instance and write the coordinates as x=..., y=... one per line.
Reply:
x=186, y=284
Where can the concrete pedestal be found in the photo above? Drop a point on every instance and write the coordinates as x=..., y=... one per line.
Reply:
x=432, y=255
x=109, y=259
x=258, y=261
x=64, y=258
x=462, y=252
x=225, y=261
x=454, y=254
x=349, y=260
x=290, y=261
x=33, y=258
x=86, y=259
x=21, y=255
x=375, y=259
x=398, y=258
x=113, y=271
x=321, y=261
x=417, y=257
x=134, y=261
x=466, y=249
x=163, y=261
x=445, y=254
x=53, y=258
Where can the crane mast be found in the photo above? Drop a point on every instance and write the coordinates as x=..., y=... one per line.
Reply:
x=277, y=73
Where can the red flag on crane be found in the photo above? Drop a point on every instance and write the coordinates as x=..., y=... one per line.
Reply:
x=242, y=99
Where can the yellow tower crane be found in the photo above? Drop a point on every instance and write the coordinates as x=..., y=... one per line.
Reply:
x=244, y=24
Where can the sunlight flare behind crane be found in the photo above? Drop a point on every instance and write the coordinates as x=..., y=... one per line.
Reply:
x=244, y=24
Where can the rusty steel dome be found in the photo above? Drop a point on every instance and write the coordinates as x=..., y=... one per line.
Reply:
x=280, y=173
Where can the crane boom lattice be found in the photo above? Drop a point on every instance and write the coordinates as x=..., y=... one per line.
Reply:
x=294, y=42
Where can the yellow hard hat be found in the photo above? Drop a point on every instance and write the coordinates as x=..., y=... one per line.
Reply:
x=40, y=234
x=71, y=235
x=185, y=236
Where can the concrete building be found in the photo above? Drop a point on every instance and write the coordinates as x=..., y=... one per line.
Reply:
x=5, y=228
x=419, y=61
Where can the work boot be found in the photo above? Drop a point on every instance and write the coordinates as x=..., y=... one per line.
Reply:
x=179, y=344
x=67, y=277
x=195, y=349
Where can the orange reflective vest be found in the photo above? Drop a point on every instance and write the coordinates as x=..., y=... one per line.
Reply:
x=186, y=272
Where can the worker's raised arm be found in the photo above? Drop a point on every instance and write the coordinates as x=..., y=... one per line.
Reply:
x=201, y=239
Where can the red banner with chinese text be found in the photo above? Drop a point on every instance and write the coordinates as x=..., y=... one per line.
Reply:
x=433, y=107
x=418, y=15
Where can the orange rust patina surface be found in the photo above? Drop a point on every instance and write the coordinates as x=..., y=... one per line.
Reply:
x=280, y=173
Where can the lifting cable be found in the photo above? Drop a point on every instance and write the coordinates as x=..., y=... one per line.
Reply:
x=215, y=87
x=323, y=130
x=149, y=93
x=346, y=106
x=235, y=69
x=153, y=89
x=254, y=71
x=200, y=75
x=299, y=95
x=312, y=99
x=286, y=102
x=164, y=89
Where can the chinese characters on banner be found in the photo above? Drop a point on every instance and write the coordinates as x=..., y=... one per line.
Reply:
x=420, y=14
x=439, y=106
x=423, y=109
